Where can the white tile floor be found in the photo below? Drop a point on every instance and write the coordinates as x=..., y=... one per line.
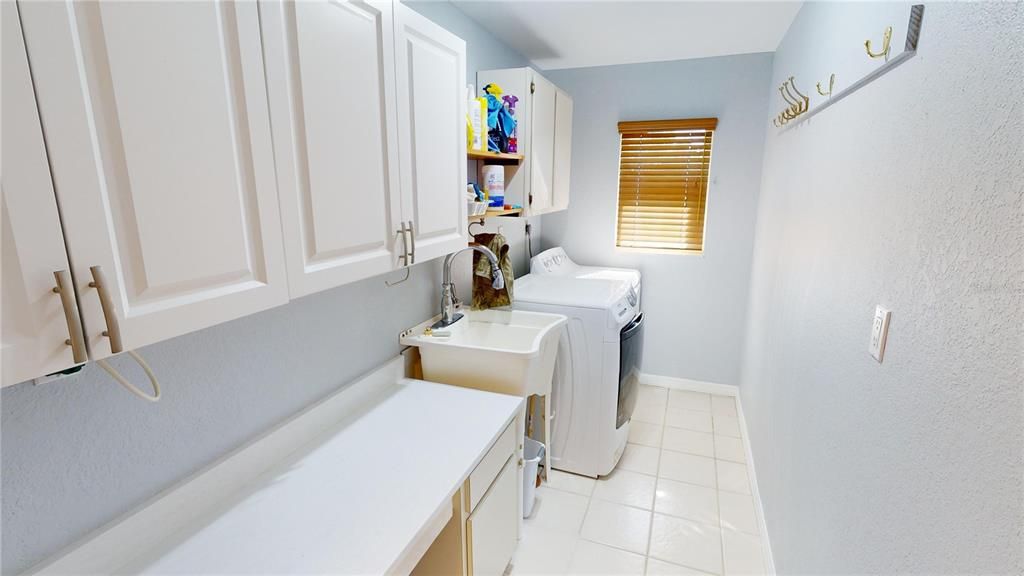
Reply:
x=678, y=502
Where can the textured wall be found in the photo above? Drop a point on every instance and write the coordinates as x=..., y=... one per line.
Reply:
x=696, y=304
x=906, y=194
x=80, y=452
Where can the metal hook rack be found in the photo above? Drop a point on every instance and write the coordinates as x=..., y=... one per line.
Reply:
x=909, y=51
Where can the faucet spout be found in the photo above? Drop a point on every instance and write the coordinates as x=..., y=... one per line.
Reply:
x=448, y=315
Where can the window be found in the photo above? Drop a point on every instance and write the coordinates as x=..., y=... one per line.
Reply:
x=663, y=183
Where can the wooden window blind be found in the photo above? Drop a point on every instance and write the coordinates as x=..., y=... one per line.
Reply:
x=663, y=183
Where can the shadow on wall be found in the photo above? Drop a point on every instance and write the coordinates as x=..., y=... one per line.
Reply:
x=79, y=452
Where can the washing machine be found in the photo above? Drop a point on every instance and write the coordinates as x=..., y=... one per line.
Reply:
x=596, y=380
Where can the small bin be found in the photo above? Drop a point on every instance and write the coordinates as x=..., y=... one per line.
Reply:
x=533, y=453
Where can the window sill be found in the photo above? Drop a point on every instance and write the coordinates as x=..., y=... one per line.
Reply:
x=660, y=251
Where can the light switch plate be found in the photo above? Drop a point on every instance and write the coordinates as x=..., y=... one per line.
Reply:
x=879, y=332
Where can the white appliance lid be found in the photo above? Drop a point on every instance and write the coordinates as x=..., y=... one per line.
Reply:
x=558, y=290
x=555, y=262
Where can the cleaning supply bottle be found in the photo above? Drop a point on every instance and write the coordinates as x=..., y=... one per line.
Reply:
x=476, y=113
x=493, y=179
x=500, y=124
x=510, y=106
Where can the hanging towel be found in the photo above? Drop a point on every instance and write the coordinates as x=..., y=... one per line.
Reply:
x=484, y=296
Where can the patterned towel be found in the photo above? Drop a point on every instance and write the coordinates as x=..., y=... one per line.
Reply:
x=484, y=296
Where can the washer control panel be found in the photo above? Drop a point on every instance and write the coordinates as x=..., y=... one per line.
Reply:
x=549, y=261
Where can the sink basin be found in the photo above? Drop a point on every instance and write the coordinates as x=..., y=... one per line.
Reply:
x=506, y=351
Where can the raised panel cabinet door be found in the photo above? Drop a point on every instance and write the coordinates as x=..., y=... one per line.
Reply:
x=36, y=334
x=155, y=115
x=563, y=151
x=493, y=527
x=431, y=83
x=330, y=81
x=542, y=145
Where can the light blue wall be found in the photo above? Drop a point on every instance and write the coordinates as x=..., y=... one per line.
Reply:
x=907, y=194
x=695, y=304
x=80, y=452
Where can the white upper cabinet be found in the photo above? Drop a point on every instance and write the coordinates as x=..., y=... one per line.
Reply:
x=544, y=133
x=367, y=104
x=331, y=83
x=431, y=82
x=541, y=149
x=34, y=324
x=171, y=165
x=156, y=122
x=562, y=151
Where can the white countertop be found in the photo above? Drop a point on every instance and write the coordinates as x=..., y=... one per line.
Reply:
x=350, y=486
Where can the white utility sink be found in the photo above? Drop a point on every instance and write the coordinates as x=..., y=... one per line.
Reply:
x=505, y=351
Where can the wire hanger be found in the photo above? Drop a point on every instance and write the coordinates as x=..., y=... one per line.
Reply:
x=128, y=385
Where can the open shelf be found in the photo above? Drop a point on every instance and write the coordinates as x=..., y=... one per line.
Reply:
x=495, y=157
x=497, y=214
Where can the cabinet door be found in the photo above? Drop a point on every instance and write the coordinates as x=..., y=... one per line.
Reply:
x=330, y=79
x=34, y=325
x=494, y=526
x=156, y=121
x=431, y=82
x=542, y=145
x=563, y=151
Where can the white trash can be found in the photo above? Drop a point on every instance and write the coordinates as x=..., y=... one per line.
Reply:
x=533, y=453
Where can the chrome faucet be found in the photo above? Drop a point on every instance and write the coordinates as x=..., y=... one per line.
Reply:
x=448, y=299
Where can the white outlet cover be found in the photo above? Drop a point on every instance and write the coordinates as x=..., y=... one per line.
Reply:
x=879, y=332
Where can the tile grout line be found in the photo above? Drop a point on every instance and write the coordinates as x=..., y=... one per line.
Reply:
x=657, y=478
x=714, y=460
x=663, y=428
x=718, y=492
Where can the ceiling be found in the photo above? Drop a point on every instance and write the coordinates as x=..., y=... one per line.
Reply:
x=575, y=34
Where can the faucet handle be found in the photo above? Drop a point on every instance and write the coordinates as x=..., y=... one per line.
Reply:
x=456, y=303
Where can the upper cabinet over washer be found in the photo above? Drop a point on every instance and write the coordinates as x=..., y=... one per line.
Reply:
x=156, y=122
x=544, y=133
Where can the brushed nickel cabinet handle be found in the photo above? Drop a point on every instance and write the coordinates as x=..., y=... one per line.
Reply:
x=405, y=245
x=67, y=299
x=412, y=243
x=113, y=331
x=404, y=257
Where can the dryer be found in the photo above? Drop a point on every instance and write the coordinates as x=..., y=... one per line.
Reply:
x=596, y=379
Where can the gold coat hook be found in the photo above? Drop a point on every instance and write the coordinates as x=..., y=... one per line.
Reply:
x=886, y=39
x=798, y=103
x=794, y=105
x=801, y=102
x=831, y=83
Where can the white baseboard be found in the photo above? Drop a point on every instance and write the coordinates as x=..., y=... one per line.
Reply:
x=726, y=390
x=766, y=543
x=687, y=384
